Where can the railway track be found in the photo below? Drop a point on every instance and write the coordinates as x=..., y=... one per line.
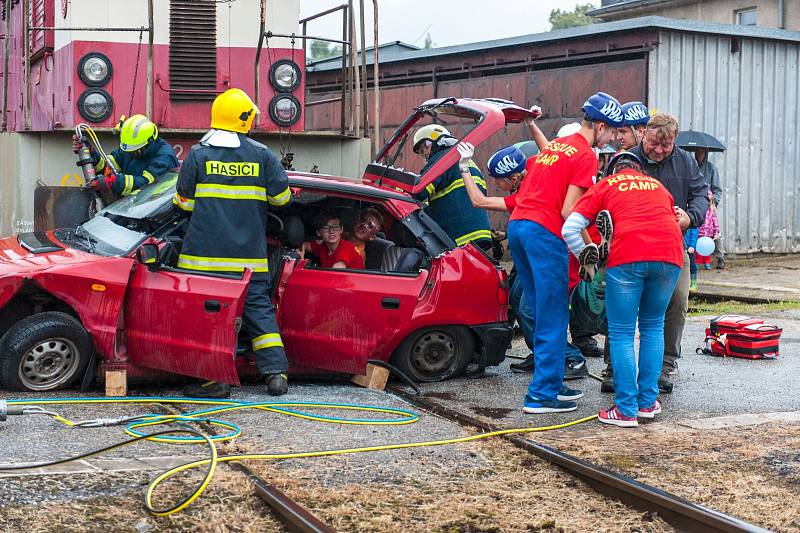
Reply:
x=678, y=512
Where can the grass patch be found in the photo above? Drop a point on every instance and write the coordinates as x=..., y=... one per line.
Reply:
x=698, y=307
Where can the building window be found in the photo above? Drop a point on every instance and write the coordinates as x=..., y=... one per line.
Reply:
x=746, y=17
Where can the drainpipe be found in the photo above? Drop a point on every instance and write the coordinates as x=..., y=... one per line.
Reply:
x=26, y=74
x=375, y=88
x=148, y=105
x=6, y=51
x=256, y=75
x=782, y=14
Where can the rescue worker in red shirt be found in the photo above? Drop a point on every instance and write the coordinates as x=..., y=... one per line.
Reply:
x=507, y=166
x=644, y=261
x=227, y=183
x=331, y=249
x=555, y=180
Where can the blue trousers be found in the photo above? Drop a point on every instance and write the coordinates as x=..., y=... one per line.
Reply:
x=525, y=319
x=259, y=323
x=541, y=261
x=638, y=290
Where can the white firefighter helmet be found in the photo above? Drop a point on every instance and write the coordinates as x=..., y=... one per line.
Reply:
x=431, y=132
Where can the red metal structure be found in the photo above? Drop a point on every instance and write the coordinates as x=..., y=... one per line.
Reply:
x=86, y=61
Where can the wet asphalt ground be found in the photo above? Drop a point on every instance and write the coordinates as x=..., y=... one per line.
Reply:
x=704, y=387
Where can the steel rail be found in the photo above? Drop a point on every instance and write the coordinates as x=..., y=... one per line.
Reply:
x=295, y=517
x=681, y=514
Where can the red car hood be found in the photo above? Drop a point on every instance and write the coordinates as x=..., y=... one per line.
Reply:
x=16, y=259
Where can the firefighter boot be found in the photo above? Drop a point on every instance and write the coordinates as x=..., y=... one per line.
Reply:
x=277, y=384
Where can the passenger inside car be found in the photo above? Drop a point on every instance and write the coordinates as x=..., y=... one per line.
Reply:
x=331, y=249
x=366, y=228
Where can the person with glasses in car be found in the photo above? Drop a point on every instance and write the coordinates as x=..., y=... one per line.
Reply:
x=331, y=249
x=677, y=170
x=366, y=228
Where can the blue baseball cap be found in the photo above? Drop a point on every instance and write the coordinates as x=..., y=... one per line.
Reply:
x=506, y=162
x=635, y=114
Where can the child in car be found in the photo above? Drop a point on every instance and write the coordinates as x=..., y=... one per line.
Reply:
x=331, y=249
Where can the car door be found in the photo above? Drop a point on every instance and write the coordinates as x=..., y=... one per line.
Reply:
x=335, y=320
x=184, y=323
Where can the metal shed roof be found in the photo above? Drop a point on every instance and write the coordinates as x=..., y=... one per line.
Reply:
x=663, y=23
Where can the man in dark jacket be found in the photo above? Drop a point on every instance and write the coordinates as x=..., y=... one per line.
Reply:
x=678, y=171
x=141, y=158
x=448, y=203
x=227, y=183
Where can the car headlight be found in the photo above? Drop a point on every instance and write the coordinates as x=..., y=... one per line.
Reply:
x=95, y=105
x=284, y=75
x=284, y=110
x=94, y=69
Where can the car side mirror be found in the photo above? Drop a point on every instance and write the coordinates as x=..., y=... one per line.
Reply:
x=147, y=254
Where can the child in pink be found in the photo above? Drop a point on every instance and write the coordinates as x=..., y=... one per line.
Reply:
x=710, y=228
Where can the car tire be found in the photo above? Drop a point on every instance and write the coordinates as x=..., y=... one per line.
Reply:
x=45, y=351
x=435, y=353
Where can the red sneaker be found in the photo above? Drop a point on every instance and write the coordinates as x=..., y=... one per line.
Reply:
x=652, y=411
x=615, y=417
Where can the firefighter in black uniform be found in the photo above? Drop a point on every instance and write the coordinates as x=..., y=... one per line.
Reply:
x=227, y=183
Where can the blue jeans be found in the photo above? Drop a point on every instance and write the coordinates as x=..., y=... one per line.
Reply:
x=524, y=314
x=638, y=290
x=541, y=261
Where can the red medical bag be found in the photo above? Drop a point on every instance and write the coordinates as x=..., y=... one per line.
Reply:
x=742, y=336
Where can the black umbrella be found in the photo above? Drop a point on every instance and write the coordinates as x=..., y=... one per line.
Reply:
x=698, y=139
x=528, y=148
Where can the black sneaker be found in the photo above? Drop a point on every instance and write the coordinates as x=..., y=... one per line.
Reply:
x=565, y=394
x=277, y=384
x=588, y=259
x=525, y=365
x=209, y=389
x=664, y=384
x=608, y=380
x=575, y=369
x=588, y=347
x=605, y=227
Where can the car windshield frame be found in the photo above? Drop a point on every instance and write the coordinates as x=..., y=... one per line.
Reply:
x=147, y=202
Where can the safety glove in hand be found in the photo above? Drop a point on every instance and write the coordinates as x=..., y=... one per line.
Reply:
x=466, y=150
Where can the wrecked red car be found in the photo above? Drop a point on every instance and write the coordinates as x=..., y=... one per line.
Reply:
x=107, y=294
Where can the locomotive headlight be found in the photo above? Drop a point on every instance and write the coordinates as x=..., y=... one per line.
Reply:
x=284, y=110
x=94, y=69
x=284, y=75
x=95, y=105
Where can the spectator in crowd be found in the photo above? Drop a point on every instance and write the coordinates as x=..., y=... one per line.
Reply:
x=710, y=229
x=677, y=170
x=555, y=180
x=331, y=249
x=636, y=215
x=690, y=243
x=711, y=174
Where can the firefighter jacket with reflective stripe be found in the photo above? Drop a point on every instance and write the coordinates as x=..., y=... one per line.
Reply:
x=228, y=191
x=449, y=204
x=157, y=158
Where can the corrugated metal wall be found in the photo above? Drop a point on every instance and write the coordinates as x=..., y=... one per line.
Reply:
x=748, y=99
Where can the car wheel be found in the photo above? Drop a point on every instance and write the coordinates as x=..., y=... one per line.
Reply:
x=435, y=354
x=43, y=352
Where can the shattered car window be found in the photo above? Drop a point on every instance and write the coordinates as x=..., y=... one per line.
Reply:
x=147, y=200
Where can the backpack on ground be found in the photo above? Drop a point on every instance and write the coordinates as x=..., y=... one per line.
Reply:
x=742, y=336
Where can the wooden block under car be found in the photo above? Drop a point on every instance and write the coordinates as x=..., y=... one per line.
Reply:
x=116, y=383
x=375, y=378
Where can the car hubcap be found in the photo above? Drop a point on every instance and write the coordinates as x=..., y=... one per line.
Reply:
x=434, y=353
x=48, y=364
